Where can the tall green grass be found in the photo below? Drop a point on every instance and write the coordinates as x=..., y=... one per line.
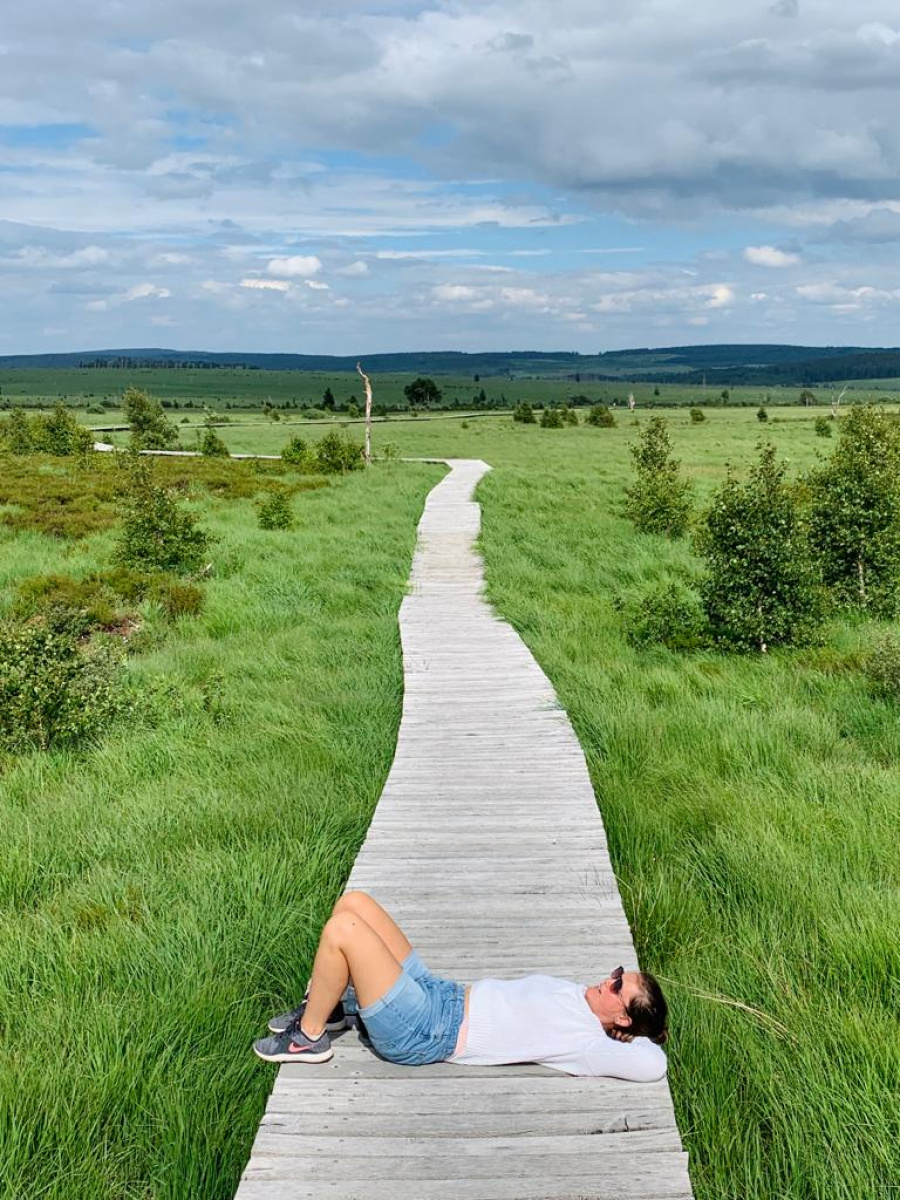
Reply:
x=752, y=805
x=161, y=893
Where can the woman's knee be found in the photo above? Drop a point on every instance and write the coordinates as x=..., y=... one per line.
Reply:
x=352, y=901
x=341, y=925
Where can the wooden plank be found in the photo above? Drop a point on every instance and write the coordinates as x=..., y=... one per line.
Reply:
x=488, y=846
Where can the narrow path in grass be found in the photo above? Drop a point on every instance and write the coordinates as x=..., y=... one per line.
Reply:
x=488, y=846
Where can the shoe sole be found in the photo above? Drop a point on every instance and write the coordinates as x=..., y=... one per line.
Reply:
x=284, y=1057
x=330, y=1027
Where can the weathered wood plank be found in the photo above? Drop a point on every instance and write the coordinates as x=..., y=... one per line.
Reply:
x=487, y=845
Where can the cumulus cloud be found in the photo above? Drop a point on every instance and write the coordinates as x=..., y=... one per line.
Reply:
x=266, y=285
x=770, y=256
x=354, y=269
x=146, y=291
x=298, y=266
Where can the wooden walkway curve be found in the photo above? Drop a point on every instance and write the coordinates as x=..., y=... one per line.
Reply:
x=488, y=846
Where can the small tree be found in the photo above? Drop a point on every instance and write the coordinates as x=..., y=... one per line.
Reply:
x=763, y=587
x=328, y=399
x=275, y=511
x=423, y=393
x=296, y=452
x=659, y=499
x=150, y=428
x=855, y=512
x=156, y=533
x=762, y=414
x=524, y=413
x=551, y=418
x=600, y=416
x=807, y=397
x=335, y=453
x=698, y=416
x=823, y=427
x=569, y=415
x=211, y=445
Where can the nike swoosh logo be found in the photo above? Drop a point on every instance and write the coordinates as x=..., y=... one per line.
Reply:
x=293, y=1048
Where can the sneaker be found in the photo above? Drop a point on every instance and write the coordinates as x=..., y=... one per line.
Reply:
x=294, y=1046
x=283, y=1022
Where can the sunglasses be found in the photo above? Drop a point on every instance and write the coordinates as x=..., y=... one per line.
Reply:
x=616, y=980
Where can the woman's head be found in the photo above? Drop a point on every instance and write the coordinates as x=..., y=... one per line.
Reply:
x=632, y=1002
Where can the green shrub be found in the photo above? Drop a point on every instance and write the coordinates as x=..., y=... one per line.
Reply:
x=569, y=415
x=16, y=432
x=55, y=691
x=337, y=453
x=669, y=614
x=95, y=601
x=763, y=586
x=177, y=598
x=698, y=416
x=882, y=668
x=551, y=418
x=296, y=453
x=59, y=433
x=855, y=512
x=762, y=414
x=523, y=413
x=823, y=427
x=659, y=499
x=390, y=451
x=91, y=597
x=601, y=416
x=211, y=445
x=275, y=511
x=156, y=534
x=150, y=428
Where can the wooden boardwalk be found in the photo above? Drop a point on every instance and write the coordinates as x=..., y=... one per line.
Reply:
x=488, y=847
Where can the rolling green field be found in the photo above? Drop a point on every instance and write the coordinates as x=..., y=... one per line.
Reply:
x=165, y=889
x=240, y=388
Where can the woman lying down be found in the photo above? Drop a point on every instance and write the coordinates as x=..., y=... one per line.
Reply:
x=412, y=1017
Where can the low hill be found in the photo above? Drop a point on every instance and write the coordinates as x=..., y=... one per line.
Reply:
x=725, y=364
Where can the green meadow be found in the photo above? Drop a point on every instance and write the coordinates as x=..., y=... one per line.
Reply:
x=165, y=888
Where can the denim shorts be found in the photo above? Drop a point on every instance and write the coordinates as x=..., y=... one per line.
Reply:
x=417, y=1020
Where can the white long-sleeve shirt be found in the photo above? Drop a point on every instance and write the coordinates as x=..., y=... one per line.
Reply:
x=547, y=1020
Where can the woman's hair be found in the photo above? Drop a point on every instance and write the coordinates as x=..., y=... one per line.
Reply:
x=649, y=1012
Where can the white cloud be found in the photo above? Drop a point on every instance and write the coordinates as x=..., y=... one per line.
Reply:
x=267, y=285
x=355, y=269
x=317, y=285
x=770, y=256
x=298, y=266
x=146, y=291
x=720, y=296
x=453, y=292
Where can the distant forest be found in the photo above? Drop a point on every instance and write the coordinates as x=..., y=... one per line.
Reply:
x=719, y=365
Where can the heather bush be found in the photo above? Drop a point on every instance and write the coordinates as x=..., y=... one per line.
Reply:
x=668, y=614
x=56, y=690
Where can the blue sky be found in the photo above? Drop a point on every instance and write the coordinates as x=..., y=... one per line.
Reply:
x=351, y=177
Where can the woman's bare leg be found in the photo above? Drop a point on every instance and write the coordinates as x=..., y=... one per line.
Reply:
x=348, y=949
x=375, y=916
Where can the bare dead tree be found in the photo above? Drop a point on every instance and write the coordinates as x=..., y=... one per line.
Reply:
x=835, y=404
x=368, y=386
x=631, y=402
